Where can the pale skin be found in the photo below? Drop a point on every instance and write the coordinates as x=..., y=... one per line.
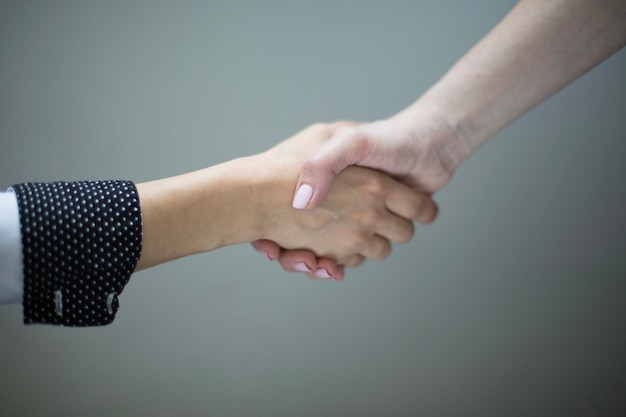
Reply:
x=536, y=50
x=247, y=199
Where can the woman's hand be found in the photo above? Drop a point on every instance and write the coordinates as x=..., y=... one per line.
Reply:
x=410, y=148
x=362, y=213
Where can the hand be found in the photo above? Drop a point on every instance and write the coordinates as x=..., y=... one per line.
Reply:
x=388, y=196
x=247, y=199
x=404, y=146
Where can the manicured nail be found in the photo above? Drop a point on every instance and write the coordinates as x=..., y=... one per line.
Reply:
x=322, y=273
x=264, y=254
x=301, y=266
x=302, y=197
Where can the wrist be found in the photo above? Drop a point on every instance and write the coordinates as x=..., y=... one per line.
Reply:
x=254, y=198
x=271, y=186
x=437, y=139
x=449, y=136
x=249, y=200
x=198, y=212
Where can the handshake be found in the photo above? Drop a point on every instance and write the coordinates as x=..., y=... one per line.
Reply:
x=304, y=202
x=81, y=241
x=327, y=198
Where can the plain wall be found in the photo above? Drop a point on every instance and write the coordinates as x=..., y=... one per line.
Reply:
x=511, y=304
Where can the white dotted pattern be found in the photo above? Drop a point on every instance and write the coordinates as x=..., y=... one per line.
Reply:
x=81, y=242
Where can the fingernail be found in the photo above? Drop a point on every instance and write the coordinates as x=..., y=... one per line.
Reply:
x=264, y=254
x=302, y=197
x=301, y=266
x=322, y=273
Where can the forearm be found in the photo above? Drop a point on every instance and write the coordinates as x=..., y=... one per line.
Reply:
x=537, y=49
x=199, y=211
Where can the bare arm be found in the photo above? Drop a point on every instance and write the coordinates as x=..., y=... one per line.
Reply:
x=248, y=199
x=536, y=50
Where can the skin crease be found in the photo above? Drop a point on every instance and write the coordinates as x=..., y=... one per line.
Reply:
x=535, y=51
x=247, y=199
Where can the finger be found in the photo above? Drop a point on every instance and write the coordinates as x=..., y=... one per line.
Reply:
x=298, y=260
x=376, y=247
x=409, y=203
x=327, y=269
x=352, y=261
x=268, y=249
x=345, y=147
x=393, y=227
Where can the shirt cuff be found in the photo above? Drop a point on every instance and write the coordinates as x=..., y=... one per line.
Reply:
x=11, y=274
x=11, y=267
x=80, y=242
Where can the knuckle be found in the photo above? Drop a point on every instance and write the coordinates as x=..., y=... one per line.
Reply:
x=309, y=166
x=360, y=143
x=316, y=171
x=354, y=242
x=317, y=220
x=375, y=186
x=370, y=218
x=429, y=213
x=352, y=261
x=407, y=233
x=383, y=250
x=416, y=209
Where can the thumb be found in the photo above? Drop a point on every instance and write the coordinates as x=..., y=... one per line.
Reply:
x=346, y=147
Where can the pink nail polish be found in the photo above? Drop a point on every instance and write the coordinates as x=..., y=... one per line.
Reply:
x=302, y=197
x=264, y=254
x=322, y=273
x=301, y=266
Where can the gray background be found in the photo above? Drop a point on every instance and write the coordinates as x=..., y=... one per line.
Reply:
x=512, y=303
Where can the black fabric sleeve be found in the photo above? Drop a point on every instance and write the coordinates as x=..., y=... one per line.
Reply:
x=80, y=242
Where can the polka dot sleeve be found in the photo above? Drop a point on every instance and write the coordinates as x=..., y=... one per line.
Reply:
x=81, y=242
